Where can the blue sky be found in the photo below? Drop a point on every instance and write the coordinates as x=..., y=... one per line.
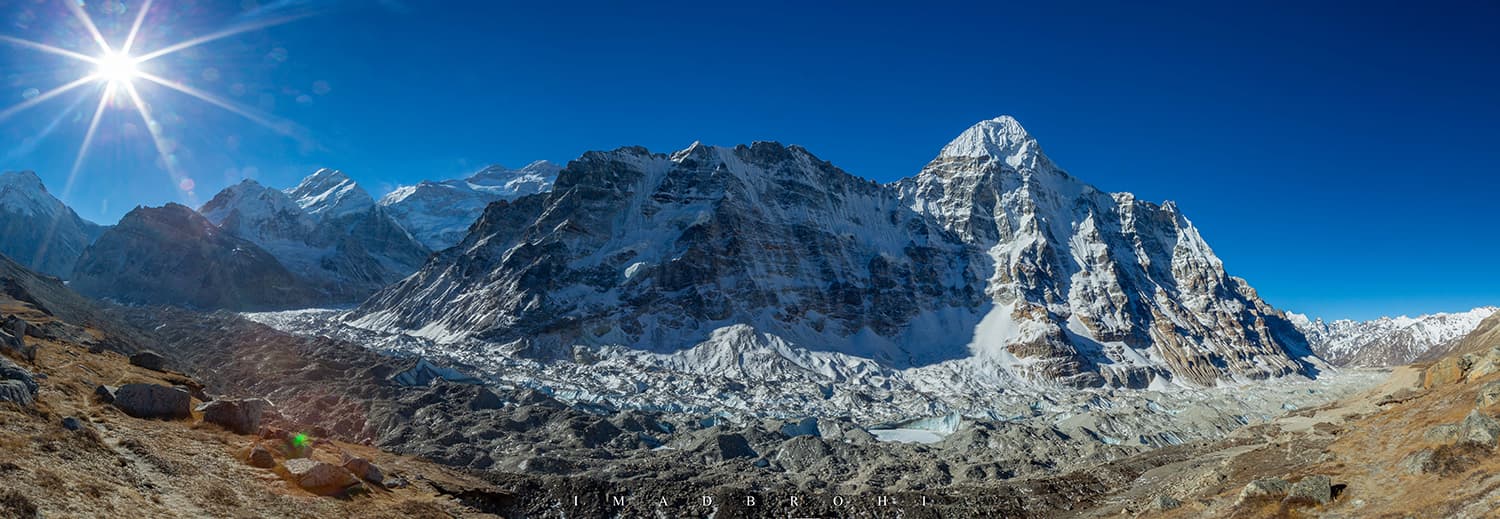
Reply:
x=1340, y=156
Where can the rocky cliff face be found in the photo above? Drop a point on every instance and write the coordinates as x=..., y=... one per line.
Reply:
x=1089, y=285
x=327, y=231
x=657, y=252
x=173, y=255
x=1389, y=341
x=439, y=213
x=37, y=229
x=991, y=257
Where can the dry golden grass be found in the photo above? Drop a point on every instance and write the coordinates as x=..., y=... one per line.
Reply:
x=125, y=467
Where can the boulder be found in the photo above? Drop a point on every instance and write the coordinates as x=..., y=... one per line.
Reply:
x=16, y=384
x=153, y=401
x=242, y=416
x=1479, y=428
x=150, y=360
x=318, y=476
x=1442, y=433
x=1416, y=462
x=16, y=391
x=1482, y=364
x=363, y=469
x=1315, y=489
x=72, y=423
x=14, y=344
x=13, y=337
x=1448, y=370
x=1489, y=394
x=260, y=457
x=105, y=394
x=1164, y=503
x=15, y=326
x=1271, y=488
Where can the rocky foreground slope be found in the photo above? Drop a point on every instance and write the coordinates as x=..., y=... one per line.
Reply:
x=1423, y=444
x=91, y=425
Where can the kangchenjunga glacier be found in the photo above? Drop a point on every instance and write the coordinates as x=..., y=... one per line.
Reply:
x=762, y=280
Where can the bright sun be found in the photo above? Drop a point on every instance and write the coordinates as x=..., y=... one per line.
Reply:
x=116, y=67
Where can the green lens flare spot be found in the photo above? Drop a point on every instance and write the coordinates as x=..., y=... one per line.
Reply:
x=299, y=440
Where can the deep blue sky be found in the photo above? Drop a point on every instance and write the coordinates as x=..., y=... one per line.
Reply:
x=1340, y=156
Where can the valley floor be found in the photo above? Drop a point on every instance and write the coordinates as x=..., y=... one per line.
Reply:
x=462, y=450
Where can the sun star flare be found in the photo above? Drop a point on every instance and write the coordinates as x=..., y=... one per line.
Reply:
x=117, y=67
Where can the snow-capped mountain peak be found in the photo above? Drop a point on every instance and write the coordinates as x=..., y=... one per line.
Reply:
x=39, y=230
x=439, y=213
x=23, y=192
x=991, y=262
x=506, y=183
x=1001, y=138
x=257, y=213
x=329, y=193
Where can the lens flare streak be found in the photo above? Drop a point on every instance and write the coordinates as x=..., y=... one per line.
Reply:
x=281, y=127
x=217, y=36
x=88, y=137
x=135, y=28
x=44, y=97
x=49, y=49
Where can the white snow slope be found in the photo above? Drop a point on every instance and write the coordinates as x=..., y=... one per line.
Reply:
x=439, y=213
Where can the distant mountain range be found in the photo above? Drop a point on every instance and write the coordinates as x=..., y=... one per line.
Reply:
x=990, y=263
x=439, y=213
x=1389, y=341
x=325, y=241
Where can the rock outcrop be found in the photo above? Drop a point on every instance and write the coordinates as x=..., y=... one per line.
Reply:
x=16, y=384
x=318, y=476
x=153, y=401
x=149, y=359
x=242, y=416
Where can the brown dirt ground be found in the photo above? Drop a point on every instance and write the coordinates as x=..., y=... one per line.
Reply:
x=127, y=467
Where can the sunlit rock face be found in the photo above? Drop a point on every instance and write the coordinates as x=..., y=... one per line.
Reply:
x=37, y=229
x=439, y=213
x=658, y=251
x=991, y=261
x=172, y=255
x=1113, y=289
x=327, y=231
